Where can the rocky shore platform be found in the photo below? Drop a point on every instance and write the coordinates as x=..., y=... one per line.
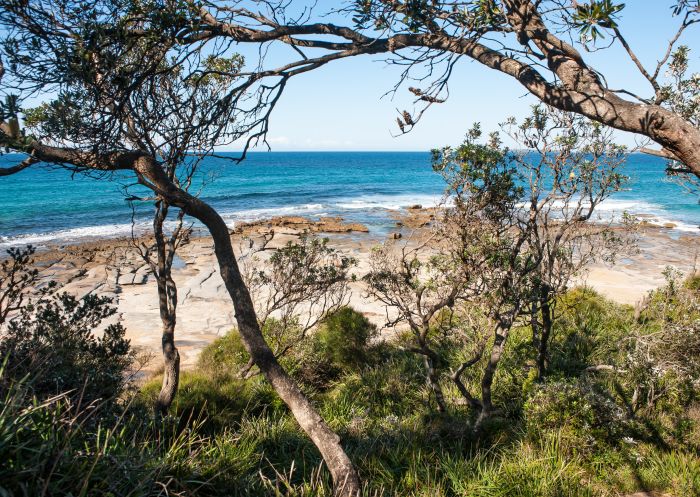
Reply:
x=114, y=268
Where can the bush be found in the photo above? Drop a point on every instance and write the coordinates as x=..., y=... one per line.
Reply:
x=224, y=356
x=54, y=342
x=344, y=338
x=577, y=409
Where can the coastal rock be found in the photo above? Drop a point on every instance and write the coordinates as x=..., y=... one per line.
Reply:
x=138, y=277
x=415, y=217
x=300, y=224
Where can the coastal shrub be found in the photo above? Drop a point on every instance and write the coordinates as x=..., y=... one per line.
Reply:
x=56, y=344
x=659, y=359
x=587, y=331
x=340, y=344
x=224, y=356
x=217, y=401
x=693, y=282
x=17, y=277
x=394, y=386
x=344, y=338
x=577, y=409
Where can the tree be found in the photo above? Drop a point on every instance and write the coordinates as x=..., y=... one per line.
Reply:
x=296, y=287
x=490, y=241
x=522, y=223
x=165, y=248
x=417, y=285
x=570, y=167
x=541, y=44
x=119, y=108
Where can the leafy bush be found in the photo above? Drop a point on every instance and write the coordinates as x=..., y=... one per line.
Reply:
x=344, y=338
x=576, y=407
x=55, y=343
x=219, y=401
x=224, y=356
x=587, y=331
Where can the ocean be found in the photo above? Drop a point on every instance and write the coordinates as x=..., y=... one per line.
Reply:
x=43, y=205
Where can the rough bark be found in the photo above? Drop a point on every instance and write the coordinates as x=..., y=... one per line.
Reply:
x=167, y=303
x=457, y=379
x=576, y=87
x=171, y=372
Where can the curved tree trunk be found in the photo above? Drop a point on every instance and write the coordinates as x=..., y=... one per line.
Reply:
x=345, y=477
x=167, y=303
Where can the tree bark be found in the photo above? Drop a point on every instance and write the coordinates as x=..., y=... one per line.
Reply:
x=497, y=348
x=457, y=379
x=345, y=478
x=167, y=303
x=545, y=333
x=434, y=382
x=171, y=372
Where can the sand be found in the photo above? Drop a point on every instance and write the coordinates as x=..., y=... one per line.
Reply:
x=113, y=268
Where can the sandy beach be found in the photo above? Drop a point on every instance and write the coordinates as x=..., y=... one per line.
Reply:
x=112, y=267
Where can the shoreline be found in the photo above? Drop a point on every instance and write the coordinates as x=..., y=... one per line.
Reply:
x=111, y=267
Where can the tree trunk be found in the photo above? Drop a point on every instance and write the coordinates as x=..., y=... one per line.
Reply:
x=171, y=371
x=433, y=380
x=546, y=332
x=345, y=478
x=167, y=303
x=497, y=348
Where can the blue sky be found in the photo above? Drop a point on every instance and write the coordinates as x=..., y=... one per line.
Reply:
x=340, y=106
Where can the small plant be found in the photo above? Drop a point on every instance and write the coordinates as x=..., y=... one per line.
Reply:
x=578, y=409
x=344, y=338
x=56, y=343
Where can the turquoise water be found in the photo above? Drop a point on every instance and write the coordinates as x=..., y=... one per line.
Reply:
x=49, y=205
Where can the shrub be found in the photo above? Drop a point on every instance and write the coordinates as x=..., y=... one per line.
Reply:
x=577, y=408
x=588, y=331
x=344, y=338
x=55, y=342
x=224, y=356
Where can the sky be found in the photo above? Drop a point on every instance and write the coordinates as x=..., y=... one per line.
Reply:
x=343, y=106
